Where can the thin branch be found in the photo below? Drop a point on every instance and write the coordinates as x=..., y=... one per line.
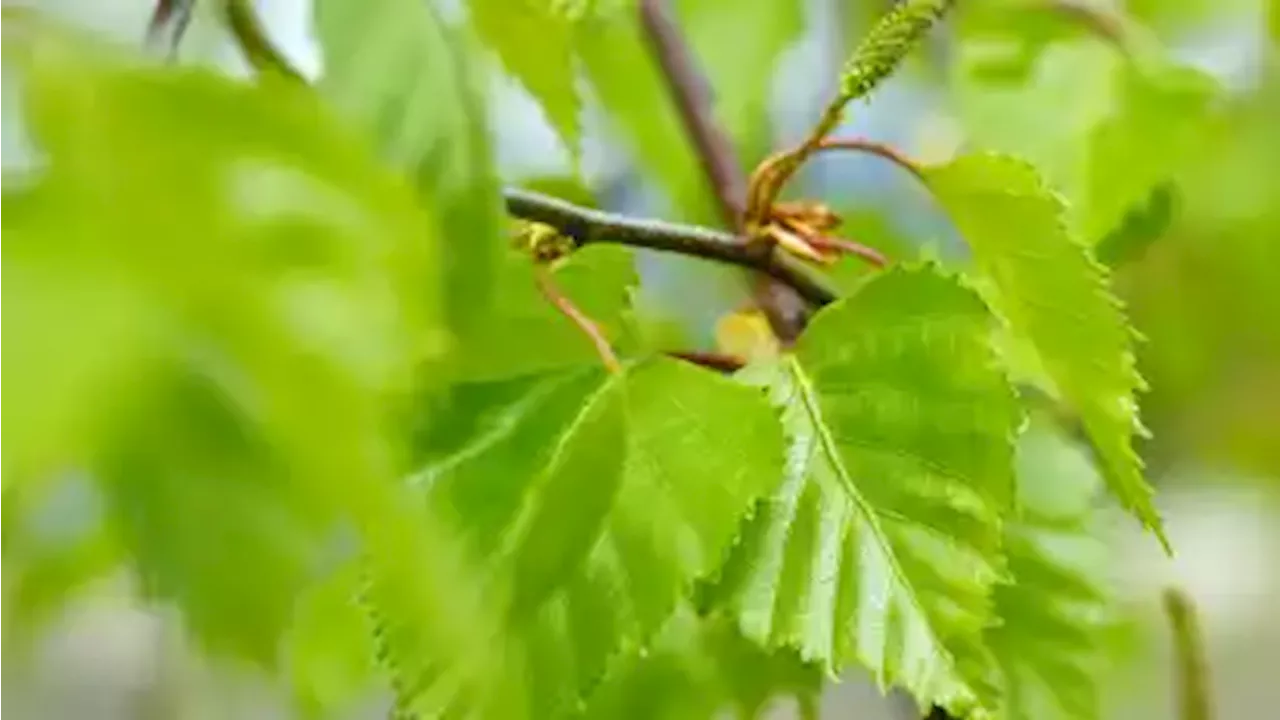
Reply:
x=688, y=90
x=1193, y=669
x=770, y=175
x=586, y=226
x=562, y=303
x=720, y=362
x=716, y=152
x=258, y=49
x=1107, y=25
x=171, y=18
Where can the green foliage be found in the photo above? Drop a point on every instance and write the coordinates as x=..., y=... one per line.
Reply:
x=1054, y=293
x=1107, y=118
x=595, y=502
x=883, y=542
x=599, y=280
x=1054, y=611
x=279, y=342
x=410, y=81
x=535, y=44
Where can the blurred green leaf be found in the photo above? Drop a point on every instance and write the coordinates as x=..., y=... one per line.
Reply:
x=698, y=667
x=1106, y=120
x=273, y=274
x=1054, y=293
x=535, y=43
x=328, y=647
x=527, y=334
x=883, y=542
x=1159, y=126
x=1142, y=225
x=413, y=84
x=1055, y=612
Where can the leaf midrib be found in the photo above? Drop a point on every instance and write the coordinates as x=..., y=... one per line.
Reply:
x=811, y=404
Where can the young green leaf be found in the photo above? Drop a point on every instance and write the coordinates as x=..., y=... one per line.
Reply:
x=883, y=542
x=1054, y=293
x=412, y=84
x=535, y=43
x=596, y=501
x=1055, y=611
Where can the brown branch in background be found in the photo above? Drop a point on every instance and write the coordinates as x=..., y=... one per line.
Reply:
x=688, y=90
x=720, y=362
x=719, y=161
x=1188, y=643
x=169, y=18
x=257, y=47
x=1107, y=25
x=542, y=277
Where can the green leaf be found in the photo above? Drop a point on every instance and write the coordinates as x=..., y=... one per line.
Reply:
x=1142, y=225
x=535, y=43
x=1159, y=126
x=526, y=334
x=596, y=501
x=1056, y=611
x=413, y=85
x=1105, y=127
x=270, y=277
x=882, y=544
x=1054, y=293
x=701, y=666
x=328, y=646
x=1026, y=84
x=201, y=463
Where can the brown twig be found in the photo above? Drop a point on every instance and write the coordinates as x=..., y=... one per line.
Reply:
x=547, y=286
x=688, y=90
x=261, y=53
x=171, y=17
x=715, y=151
x=585, y=226
x=720, y=362
x=766, y=183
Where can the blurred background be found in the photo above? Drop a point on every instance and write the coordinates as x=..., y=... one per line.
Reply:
x=1196, y=258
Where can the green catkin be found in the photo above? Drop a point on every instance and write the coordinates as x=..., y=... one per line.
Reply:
x=874, y=60
x=897, y=33
x=880, y=54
